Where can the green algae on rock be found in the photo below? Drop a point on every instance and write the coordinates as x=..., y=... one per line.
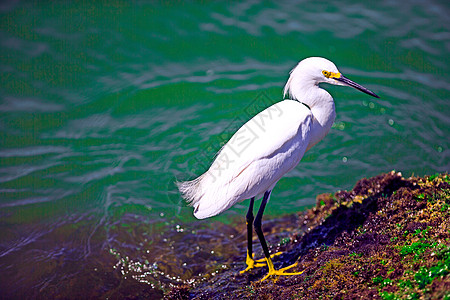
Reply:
x=387, y=238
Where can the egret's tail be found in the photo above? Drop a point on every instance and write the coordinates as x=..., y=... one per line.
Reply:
x=209, y=198
x=191, y=190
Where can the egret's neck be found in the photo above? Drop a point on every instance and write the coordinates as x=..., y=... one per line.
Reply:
x=324, y=114
x=321, y=104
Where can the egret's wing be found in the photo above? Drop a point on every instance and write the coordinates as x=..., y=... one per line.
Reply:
x=261, y=137
x=254, y=159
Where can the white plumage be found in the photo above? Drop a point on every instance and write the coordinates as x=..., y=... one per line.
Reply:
x=271, y=143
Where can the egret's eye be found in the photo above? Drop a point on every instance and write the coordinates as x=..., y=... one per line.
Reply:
x=329, y=74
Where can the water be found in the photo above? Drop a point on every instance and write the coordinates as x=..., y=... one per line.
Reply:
x=103, y=107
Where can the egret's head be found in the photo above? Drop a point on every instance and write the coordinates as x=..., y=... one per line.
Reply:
x=335, y=77
x=315, y=70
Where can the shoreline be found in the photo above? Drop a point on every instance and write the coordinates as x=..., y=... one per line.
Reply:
x=387, y=238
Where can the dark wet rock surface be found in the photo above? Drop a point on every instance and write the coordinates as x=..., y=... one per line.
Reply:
x=387, y=238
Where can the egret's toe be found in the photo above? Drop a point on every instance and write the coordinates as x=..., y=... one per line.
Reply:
x=280, y=272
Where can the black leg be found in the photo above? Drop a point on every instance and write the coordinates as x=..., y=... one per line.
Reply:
x=258, y=224
x=249, y=260
x=249, y=220
x=258, y=228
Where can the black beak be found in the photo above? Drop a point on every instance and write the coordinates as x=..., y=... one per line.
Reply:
x=353, y=84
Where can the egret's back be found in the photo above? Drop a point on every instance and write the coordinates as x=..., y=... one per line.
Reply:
x=253, y=160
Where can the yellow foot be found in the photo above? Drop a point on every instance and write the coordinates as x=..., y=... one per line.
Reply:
x=280, y=272
x=251, y=263
x=258, y=263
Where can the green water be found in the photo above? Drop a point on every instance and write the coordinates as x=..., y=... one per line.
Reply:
x=104, y=106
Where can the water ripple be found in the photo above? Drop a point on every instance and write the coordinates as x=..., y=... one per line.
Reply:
x=102, y=108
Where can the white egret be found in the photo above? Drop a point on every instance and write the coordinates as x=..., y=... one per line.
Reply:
x=266, y=147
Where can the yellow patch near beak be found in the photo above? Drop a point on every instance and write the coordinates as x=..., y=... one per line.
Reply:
x=332, y=75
